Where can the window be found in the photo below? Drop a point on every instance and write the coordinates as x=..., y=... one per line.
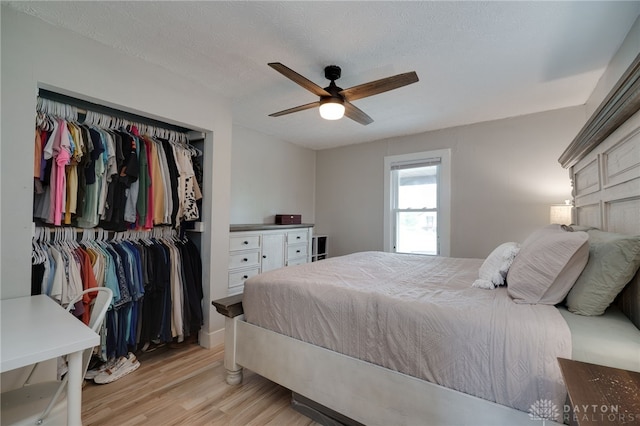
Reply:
x=417, y=203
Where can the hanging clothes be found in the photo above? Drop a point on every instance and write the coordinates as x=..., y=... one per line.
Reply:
x=156, y=279
x=90, y=174
x=103, y=173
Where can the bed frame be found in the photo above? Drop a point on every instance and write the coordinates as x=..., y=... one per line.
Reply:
x=606, y=181
x=363, y=392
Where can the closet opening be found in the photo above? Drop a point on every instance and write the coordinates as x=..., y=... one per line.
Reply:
x=118, y=203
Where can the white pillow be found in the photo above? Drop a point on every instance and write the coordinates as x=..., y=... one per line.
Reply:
x=494, y=269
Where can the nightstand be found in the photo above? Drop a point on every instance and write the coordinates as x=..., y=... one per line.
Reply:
x=600, y=395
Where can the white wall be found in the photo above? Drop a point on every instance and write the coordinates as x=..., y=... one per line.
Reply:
x=35, y=53
x=269, y=177
x=505, y=175
x=627, y=52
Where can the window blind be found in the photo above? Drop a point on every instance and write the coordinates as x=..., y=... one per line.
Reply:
x=412, y=164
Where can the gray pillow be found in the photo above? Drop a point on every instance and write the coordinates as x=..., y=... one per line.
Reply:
x=581, y=228
x=613, y=261
x=548, y=264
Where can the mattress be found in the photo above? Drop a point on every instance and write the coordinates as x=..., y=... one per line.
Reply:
x=610, y=339
x=420, y=316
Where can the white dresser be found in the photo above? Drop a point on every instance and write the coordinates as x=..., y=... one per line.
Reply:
x=259, y=248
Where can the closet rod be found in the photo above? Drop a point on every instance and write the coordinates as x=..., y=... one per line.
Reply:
x=79, y=230
x=83, y=106
x=155, y=232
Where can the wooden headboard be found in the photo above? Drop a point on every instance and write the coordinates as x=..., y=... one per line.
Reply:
x=604, y=166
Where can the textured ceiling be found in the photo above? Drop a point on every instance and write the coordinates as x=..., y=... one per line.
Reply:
x=476, y=61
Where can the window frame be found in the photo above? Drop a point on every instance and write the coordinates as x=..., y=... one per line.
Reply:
x=444, y=196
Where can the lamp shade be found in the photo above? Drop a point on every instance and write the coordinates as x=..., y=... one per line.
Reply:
x=561, y=214
x=331, y=108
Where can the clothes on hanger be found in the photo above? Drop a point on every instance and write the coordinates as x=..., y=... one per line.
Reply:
x=107, y=174
x=156, y=279
x=104, y=173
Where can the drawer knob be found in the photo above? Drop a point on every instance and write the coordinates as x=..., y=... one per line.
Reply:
x=298, y=237
x=245, y=276
x=245, y=259
x=264, y=256
x=245, y=242
x=297, y=251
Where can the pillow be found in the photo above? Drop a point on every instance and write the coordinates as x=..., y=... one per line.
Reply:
x=495, y=267
x=613, y=261
x=581, y=228
x=541, y=232
x=548, y=264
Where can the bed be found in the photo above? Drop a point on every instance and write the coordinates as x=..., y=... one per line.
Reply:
x=353, y=345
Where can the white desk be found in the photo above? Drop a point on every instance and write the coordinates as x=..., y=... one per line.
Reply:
x=36, y=329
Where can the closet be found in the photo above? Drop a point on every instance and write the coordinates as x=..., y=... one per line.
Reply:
x=116, y=199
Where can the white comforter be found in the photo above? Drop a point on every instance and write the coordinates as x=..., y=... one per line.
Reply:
x=419, y=315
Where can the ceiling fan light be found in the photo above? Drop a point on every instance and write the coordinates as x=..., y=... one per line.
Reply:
x=331, y=109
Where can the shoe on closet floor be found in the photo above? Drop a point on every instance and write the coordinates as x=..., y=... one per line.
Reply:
x=123, y=366
x=92, y=373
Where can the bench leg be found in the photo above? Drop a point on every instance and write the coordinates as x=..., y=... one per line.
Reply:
x=234, y=371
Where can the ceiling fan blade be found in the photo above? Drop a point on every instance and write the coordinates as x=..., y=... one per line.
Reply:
x=302, y=81
x=379, y=86
x=356, y=114
x=296, y=109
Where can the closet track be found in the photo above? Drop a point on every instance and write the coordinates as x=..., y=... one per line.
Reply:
x=84, y=106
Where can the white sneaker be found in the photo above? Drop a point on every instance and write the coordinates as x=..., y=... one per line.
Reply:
x=91, y=374
x=123, y=366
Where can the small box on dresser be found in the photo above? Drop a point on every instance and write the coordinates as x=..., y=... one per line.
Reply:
x=288, y=219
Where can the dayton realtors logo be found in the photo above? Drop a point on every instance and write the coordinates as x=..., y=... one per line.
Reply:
x=544, y=409
x=599, y=413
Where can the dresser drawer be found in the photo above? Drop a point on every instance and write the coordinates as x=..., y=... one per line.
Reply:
x=244, y=242
x=243, y=259
x=296, y=251
x=298, y=261
x=237, y=279
x=294, y=237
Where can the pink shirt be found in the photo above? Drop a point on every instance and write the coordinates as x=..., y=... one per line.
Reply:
x=61, y=147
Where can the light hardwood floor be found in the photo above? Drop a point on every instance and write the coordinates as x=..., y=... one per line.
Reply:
x=186, y=386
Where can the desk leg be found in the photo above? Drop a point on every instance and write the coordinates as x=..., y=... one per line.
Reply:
x=74, y=390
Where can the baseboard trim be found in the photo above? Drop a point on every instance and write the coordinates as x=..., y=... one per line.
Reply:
x=212, y=339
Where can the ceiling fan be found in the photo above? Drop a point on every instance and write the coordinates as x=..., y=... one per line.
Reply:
x=334, y=101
